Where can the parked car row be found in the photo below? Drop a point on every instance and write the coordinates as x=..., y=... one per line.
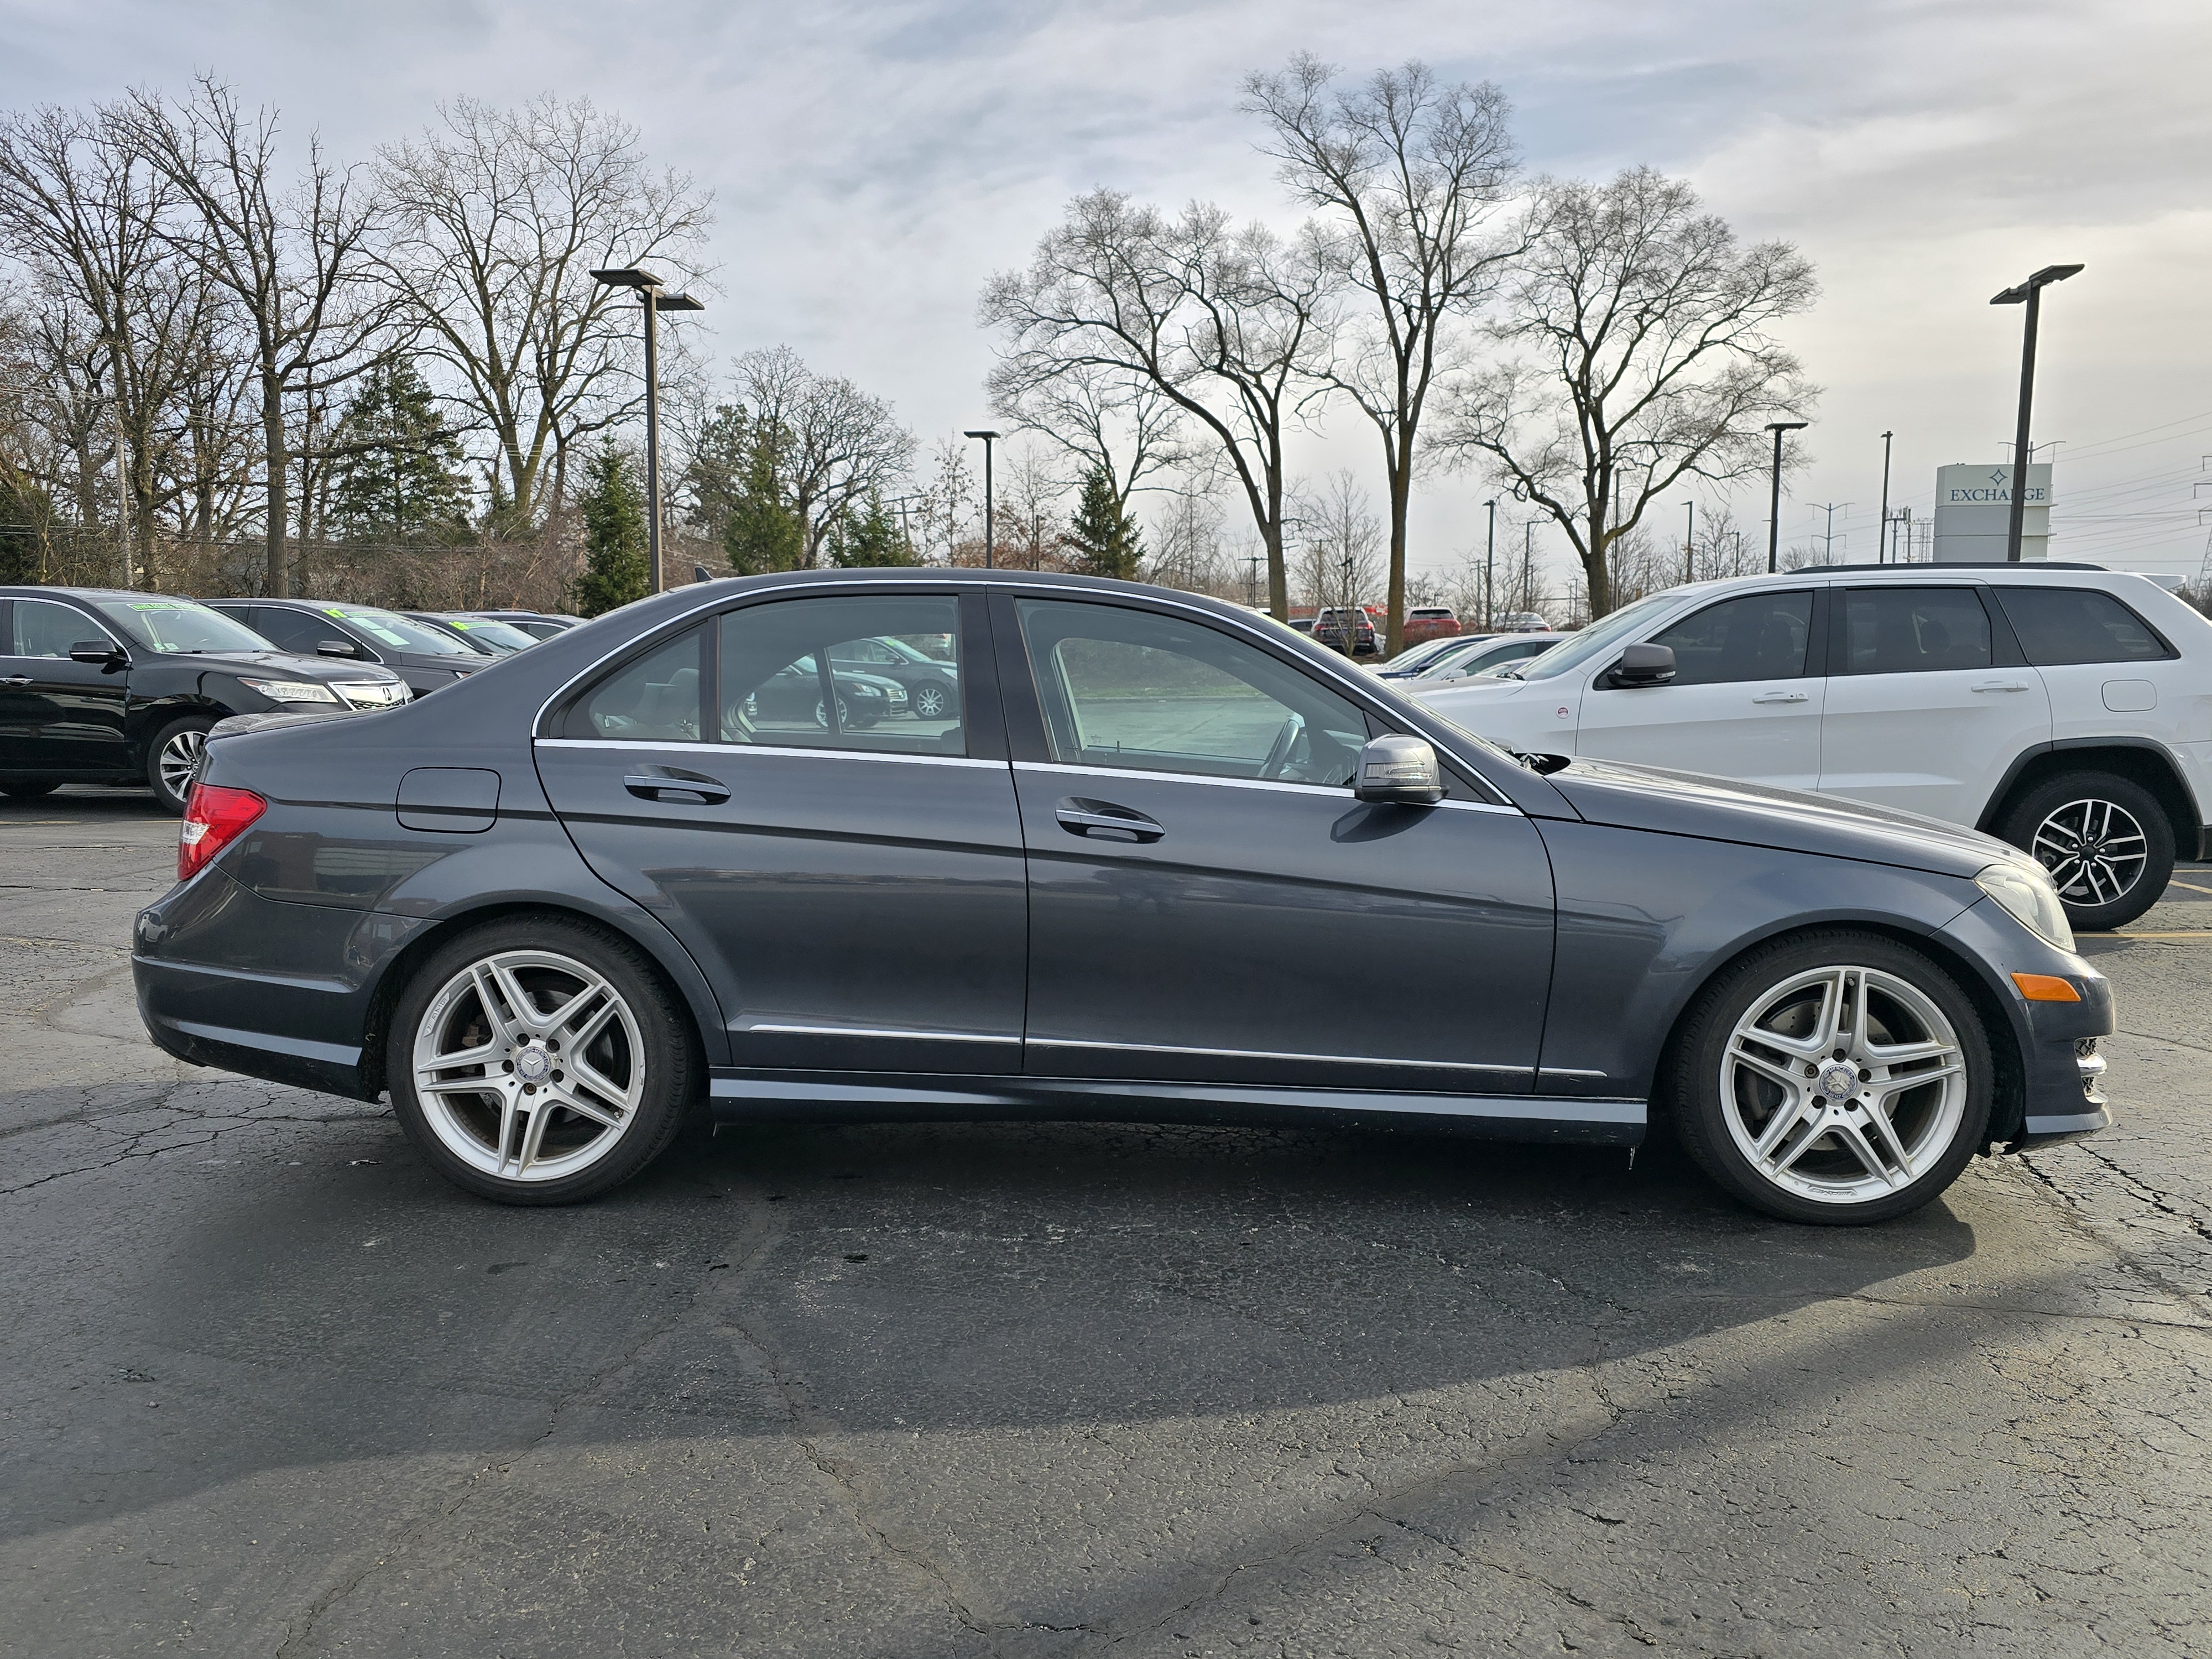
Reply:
x=101, y=686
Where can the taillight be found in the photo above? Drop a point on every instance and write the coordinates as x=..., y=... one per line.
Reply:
x=214, y=818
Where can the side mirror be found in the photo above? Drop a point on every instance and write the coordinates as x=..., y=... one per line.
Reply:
x=1644, y=665
x=97, y=653
x=1399, y=771
x=336, y=648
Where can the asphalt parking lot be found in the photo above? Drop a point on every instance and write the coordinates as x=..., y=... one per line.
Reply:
x=271, y=1387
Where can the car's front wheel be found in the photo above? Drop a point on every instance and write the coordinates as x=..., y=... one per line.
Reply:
x=538, y=1060
x=930, y=700
x=2105, y=839
x=174, y=759
x=1837, y=1078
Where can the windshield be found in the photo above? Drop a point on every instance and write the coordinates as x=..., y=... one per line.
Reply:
x=499, y=635
x=1600, y=637
x=389, y=628
x=179, y=625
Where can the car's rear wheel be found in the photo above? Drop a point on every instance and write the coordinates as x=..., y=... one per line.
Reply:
x=174, y=758
x=29, y=788
x=538, y=1060
x=2106, y=840
x=1836, y=1078
x=930, y=700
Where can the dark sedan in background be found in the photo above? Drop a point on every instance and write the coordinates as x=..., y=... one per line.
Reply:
x=489, y=635
x=556, y=909
x=538, y=625
x=428, y=658
x=117, y=687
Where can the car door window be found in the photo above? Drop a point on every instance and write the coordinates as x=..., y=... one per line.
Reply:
x=291, y=630
x=1124, y=688
x=43, y=629
x=2061, y=625
x=802, y=673
x=1914, y=630
x=659, y=697
x=1755, y=636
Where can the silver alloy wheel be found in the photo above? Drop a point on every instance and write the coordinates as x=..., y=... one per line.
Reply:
x=928, y=703
x=822, y=715
x=1842, y=1085
x=180, y=758
x=529, y=1065
x=2095, y=851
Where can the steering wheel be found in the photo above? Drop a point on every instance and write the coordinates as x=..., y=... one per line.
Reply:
x=1279, y=752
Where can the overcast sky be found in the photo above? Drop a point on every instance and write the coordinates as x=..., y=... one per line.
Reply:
x=873, y=163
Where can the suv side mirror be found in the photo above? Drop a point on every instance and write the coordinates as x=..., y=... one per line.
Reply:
x=336, y=648
x=1644, y=665
x=1399, y=771
x=98, y=653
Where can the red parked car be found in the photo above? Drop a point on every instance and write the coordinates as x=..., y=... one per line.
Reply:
x=1430, y=622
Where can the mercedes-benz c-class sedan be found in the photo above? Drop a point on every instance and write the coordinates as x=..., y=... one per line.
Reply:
x=1158, y=859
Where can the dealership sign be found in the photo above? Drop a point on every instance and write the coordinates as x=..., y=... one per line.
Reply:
x=1973, y=513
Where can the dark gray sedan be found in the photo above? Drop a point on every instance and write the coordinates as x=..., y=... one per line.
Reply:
x=1154, y=868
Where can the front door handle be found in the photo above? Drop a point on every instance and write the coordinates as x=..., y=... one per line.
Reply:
x=16, y=679
x=1080, y=817
x=1783, y=696
x=2001, y=685
x=660, y=785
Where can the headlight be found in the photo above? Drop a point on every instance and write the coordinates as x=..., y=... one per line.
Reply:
x=291, y=691
x=2026, y=889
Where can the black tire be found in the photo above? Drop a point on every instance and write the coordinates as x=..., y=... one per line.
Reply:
x=179, y=742
x=945, y=700
x=29, y=788
x=1940, y=1132
x=2123, y=821
x=674, y=1068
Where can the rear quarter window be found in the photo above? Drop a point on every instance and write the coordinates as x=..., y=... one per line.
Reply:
x=2061, y=625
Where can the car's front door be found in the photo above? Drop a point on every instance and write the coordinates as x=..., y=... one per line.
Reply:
x=1745, y=702
x=855, y=896
x=1208, y=902
x=60, y=716
x=1928, y=703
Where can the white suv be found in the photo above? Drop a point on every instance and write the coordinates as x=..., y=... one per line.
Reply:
x=2066, y=709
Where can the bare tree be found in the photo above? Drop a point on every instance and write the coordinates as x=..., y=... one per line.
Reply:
x=1641, y=357
x=292, y=258
x=1032, y=522
x=1189, y=550
x=1340, y=546
x=1231, y=327
x=836, y=443
x=1410, y=173
x=498, y=219
x=1101, y=417
x=948, y=516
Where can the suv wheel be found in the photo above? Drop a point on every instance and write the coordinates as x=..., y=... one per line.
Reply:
x=2106, y=841
x=538, y=1060
x=174, y=758
x=1837, y=1078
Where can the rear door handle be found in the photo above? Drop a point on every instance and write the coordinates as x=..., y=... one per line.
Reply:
x=16, y=679
x=1080, y=817
x=1783, y=696
x=2000, y=685
x=661, y=785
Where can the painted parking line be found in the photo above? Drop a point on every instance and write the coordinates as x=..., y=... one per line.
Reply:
x=2202, y=933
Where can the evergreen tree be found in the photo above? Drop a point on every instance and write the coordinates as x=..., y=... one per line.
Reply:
x=868, y=538
x=617, y=561
x=762, y=533
x=398, y=477
x=1105, y=540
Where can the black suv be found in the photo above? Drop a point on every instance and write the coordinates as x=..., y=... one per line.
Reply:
x=421, y=653
x=100, y=687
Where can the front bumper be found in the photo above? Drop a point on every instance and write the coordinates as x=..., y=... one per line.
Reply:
x=2085, y=1117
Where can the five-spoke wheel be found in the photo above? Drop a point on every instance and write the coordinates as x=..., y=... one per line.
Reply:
x=1839, y=1077
x=539, y=1062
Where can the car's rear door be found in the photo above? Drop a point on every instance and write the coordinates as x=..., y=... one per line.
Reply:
x=61, y=716
x=856, y=897
x=1208, y=902
x=1929, y=699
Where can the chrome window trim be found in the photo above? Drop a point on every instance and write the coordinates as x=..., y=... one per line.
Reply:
x=659, y=745
x=1269, y=1054
x=869, y=1031
x=1144, y=774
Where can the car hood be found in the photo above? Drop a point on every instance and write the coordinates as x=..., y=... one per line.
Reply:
x=323, y=671
x=1723, y=809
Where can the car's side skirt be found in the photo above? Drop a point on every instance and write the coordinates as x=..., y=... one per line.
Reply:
x=741, y=1095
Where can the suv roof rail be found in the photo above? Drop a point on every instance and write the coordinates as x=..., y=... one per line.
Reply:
x=1997, y=564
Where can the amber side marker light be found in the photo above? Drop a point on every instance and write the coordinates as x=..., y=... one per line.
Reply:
x=2046, y=987
x=214, y=818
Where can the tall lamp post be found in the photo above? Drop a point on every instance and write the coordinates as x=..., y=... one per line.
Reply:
x=988, y=438
x=1489, y=573
x=1881, y=525
x=1690, y=543
x=1774, y=505
x=653, y=298
x=2030, y=294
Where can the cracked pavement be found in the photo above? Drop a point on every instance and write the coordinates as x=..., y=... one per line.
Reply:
x=270, y=1387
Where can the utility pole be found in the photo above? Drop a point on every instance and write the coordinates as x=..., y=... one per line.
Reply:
x=2029, y=293
x=1828, y=540
x=1885, y=496
x=1252, y=581
x=1690, y=544
x=1490, y=572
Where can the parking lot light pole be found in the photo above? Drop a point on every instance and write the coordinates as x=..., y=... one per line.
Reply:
x=654, y=299
x=1881, y=525
x=988, y=438
x=1774, y=505
x=1489, y=573
x=2030, y=294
